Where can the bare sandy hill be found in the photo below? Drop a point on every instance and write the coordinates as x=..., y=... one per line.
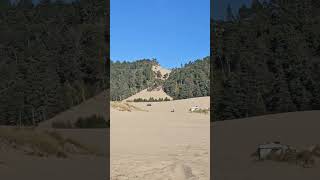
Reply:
x=233, y=142
x=162, y=70
x=156, y=93
x=145, y=94
x=160, y=144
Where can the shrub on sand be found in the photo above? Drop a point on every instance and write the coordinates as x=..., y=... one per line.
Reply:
x=202, y=111
x=94, y=121
x=40, y=143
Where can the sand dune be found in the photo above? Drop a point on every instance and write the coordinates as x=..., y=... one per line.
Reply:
x=160, y=144
x=162, y=70
x=233, y=141
x=94, y=106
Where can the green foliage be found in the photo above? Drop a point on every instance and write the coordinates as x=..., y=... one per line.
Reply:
x=52, y=57
x=157, y=84
x=128, y=78
x=151, y=99
x=267, y=60
x=94, y=121
x=190, y=81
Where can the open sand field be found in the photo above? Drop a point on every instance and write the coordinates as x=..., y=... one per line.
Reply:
x=233, y=142
x=158, y=144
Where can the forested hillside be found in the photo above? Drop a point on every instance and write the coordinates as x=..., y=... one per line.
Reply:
x=52, y=57
x=128, y=78
x=266, y=59
x=190, y=81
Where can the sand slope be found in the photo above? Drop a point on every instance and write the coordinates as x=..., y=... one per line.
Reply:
x=233, y=141
x=160, y=144
x=96, y=105
x=162, y=70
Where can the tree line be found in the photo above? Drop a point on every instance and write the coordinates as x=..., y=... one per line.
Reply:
x=266, y=59
x=53, y=56
x=191, y=80
x=151, y=99
x=128, y=78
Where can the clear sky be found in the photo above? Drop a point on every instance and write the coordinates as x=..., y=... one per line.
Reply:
x=219, y=7
x=172, y=31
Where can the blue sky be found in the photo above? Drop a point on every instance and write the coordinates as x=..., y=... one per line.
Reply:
x=172, y=31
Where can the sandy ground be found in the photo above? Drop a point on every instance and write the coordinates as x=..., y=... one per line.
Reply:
x=159, y=144
x=16, y=165
x=234, y=141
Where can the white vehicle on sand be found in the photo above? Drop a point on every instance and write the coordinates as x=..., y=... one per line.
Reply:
x=194, y=108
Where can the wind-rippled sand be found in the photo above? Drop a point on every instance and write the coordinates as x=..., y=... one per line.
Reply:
x=159, y=144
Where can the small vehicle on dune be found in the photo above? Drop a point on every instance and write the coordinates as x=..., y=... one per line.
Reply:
x=194, y=108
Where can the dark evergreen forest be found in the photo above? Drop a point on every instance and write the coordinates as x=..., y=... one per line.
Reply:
x=191, y=80
x=53, y=56
x=266, y=59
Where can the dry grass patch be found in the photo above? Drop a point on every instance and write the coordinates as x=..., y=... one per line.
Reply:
x=201, y=111
x=120, y=106
x=305, y=157
x=41, y=143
